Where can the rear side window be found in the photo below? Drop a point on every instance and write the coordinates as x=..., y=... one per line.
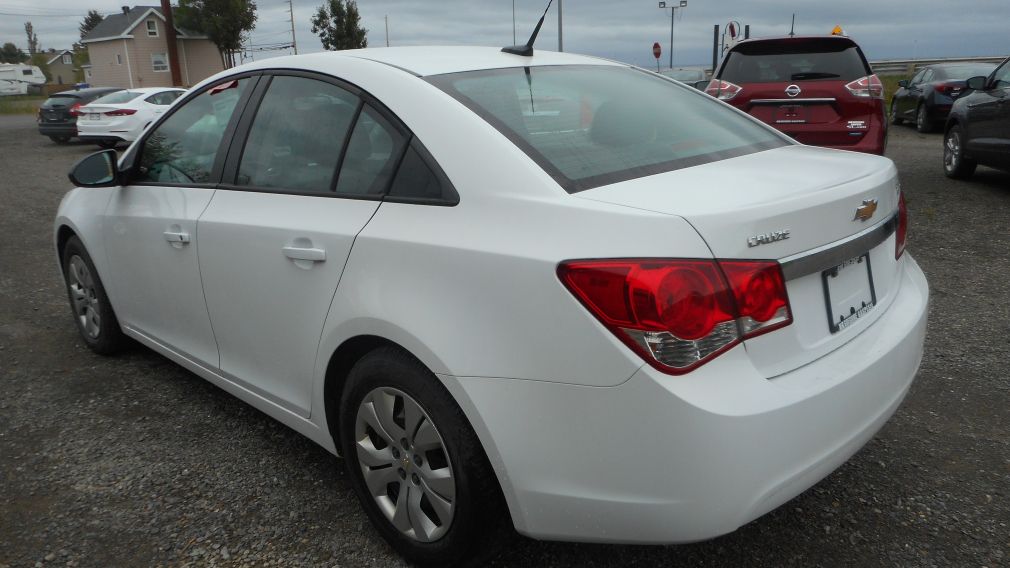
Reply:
x=183, y=148
x=371, y=155
x=794, y=60
x=296, y=137
x=589, y=125
x=165, y=98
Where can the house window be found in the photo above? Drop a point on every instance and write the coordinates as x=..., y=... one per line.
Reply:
x=68, y=59
x=152, y=28
x=119, y=59
x=159, y=62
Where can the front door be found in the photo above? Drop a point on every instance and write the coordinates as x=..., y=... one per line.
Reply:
x=987, y=117
x=273, y=243
x=151, y=225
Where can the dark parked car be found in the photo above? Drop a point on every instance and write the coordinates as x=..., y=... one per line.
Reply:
x=817, y=89
x=58, y=114
x=926, y=98
x=978, y=129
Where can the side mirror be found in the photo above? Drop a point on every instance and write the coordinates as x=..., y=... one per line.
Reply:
x=96, y=170
x=976, y=83
x=701, y=85
x=903, y=83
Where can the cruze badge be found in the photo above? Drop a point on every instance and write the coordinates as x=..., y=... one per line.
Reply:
x=866, y=210
x=793, y=90
x=768, y=238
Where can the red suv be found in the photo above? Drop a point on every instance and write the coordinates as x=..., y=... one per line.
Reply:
x=817, y=89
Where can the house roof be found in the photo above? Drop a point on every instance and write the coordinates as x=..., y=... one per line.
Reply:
x=120, y=25
x=58, y=55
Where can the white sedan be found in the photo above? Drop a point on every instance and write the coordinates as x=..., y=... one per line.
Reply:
x=549, y=292
x=123, y=115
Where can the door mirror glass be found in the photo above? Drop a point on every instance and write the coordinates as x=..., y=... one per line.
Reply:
x=976, y=83
x=903, y=83
x=96, y=170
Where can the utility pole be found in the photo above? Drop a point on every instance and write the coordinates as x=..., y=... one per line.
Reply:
x=173, y=53
x=673, y=12
x=294, y=42
x=387, y=30
x=561, y=46
x=513, y=22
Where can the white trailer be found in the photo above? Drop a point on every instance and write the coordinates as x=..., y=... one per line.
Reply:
x=16, y=78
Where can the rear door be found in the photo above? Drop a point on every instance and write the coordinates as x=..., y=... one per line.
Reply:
x=273, y=242
x=797, y=85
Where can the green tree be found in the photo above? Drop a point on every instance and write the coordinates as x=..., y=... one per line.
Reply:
x=338, y=25
x=89, y=22
x=10, y=53
x=223, y=21
x=33, y=39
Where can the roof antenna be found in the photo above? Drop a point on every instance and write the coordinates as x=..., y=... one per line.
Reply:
x=527, y=50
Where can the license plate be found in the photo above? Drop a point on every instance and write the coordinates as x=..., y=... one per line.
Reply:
x=95, y=116
x=848, y=292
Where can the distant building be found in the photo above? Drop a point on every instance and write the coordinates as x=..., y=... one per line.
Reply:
x=129, y=50
x=61, y=67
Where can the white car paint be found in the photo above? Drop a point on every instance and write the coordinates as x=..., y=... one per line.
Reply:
x=96, y=124
x=588, y=442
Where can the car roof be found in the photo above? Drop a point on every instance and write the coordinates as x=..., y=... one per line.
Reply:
x=438, y=60
x=86, y=92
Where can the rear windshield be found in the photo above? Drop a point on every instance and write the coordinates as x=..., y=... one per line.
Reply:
x=963, y=72
x=792, y=60
x=59, y=100
x=116, y=98
x=589, y=126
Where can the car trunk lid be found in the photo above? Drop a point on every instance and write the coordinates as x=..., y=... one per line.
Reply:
x=792, y=205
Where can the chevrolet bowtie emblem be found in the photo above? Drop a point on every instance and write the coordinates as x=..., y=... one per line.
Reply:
x=866, y=210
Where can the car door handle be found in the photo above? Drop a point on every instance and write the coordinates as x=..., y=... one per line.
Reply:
x=305, y=253
x=176, y=237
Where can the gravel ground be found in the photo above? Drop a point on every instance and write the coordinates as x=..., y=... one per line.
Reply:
x=132, y=461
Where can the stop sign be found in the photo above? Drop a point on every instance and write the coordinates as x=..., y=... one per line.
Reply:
x=656, y=50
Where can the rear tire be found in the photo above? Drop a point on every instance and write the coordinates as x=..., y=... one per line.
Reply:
x=430, y=490
x=60, y=139
x=96, y=321
x=955, y=164
x=922, y=122
x=895, y=119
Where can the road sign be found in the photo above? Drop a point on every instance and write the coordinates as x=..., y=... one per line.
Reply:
x=657, y=50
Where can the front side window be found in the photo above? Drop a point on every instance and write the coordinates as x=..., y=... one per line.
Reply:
x=152, y=28
x=589, y=126
x=159, y=62
x=1001, y=79
x=183, y=148
x=295, y=140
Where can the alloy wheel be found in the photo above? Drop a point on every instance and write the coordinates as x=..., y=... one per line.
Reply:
x=951, y=151
x=405, y=464
x=85, y=297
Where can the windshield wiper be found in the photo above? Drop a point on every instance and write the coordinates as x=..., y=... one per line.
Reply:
x=813, y=75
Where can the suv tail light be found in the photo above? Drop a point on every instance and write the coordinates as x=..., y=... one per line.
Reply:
x=901, y=233
x=869, y=87
x=75, y=109
x=951, y=89
x=121, y=112
x=678, y=314
x=722, y=90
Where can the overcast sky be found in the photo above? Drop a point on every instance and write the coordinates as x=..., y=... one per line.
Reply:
x=623, y=30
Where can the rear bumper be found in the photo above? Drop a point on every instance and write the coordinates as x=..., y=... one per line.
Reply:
x=662, y=459
x=57, y=129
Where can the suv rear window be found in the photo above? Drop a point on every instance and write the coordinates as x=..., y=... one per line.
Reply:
x=804, y=59
x=59, y=100
x=589, y=125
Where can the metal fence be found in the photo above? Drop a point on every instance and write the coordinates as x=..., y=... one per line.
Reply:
x=908, y=66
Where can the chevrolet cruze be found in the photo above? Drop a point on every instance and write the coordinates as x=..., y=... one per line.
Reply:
x=548, y=292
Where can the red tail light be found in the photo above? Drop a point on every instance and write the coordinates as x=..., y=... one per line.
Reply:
x=75, y=109
x=680, y=314
x=901, y=232
x=722, y=90
x=869, y=87
x=121, y=112
x=951, y=89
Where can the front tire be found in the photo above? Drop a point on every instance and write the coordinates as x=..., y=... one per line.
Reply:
x=416, y=464
x=922, y=122
x=93, y=313
x=955, y=164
